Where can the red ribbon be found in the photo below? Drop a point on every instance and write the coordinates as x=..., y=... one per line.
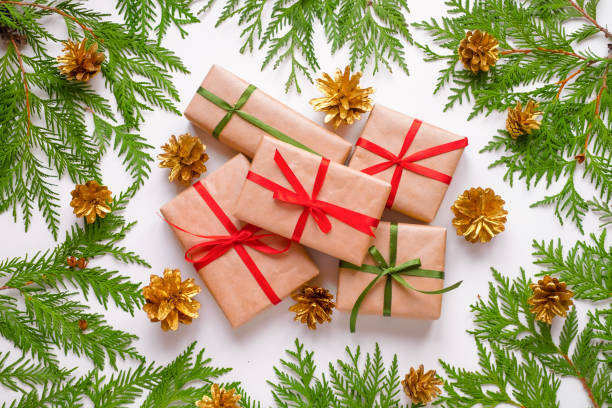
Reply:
x=237, y=240
x=407, y=163
x=319, y=210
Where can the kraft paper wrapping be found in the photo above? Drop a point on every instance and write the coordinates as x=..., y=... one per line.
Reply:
x=414, y=241
x=243, y=136
x=345, y=187
x=227, y=278
x=417, y=196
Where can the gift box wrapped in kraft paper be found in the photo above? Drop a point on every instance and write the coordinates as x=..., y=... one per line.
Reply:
x=403, y=274
x=304, y=197
x=246, y=269
x=417, y=158
x=239, y=114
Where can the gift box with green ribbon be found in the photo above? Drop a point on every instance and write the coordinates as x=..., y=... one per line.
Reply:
x=403, y=275
x=239, y=115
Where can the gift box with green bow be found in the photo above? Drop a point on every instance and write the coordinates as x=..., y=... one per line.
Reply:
x=403, y=274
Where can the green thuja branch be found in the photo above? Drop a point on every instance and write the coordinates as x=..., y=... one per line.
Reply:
x=604, y=209
x=38, y=307
x=44, y=118
x=539, y=60
x=353, y=383
x=521, y=359
x=586, y=268
x=374, y=31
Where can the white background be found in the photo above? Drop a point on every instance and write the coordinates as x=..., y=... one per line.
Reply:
x=255, y=348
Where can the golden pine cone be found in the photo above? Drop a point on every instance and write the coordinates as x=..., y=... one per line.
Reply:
x=421, y=386
x=314, y=305
x=91, y=200
x=478, y=51
x=550, y=298
x=220, y=398
x=521, y=122
x=344, y=99
x=169, y=299
x=185, y=157
x=79, y=62
x=479, y=214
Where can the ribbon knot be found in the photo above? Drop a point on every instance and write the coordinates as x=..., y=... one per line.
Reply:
x=402, y=163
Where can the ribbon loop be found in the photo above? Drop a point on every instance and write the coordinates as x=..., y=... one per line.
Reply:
x=402, y=163
x=392, y=272
x=320, y=211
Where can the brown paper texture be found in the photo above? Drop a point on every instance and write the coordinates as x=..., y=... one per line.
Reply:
x=227, y=278
x=417, y=196
x=414, y=241
x=345, y=187
x=244, y=137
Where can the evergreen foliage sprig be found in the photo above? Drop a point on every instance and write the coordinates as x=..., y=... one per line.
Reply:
x=566, y=71
x=375, y=32
x=521, y=362
x=352, y=383
x=45, y=119
x=178, y=384
x=39, y=311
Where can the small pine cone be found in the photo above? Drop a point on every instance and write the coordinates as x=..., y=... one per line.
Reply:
x=9, y=34
x=185, y=157
x=478, y=51
x=344, y=99
x=91, y=200
x=82, y=263
x=421, y=386
x=523, y=122
x=79, y=62
x=71, y=261
x=83, y=325
x=479, y=214
x=314, y=305
x=550, y=298
x=220, y=398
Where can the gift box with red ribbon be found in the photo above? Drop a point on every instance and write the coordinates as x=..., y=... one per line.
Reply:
x=245, y=268
x=417, y=158
x=321, y=204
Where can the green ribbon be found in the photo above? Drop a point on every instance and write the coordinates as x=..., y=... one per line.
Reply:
x=392, y=272
x=236, y=109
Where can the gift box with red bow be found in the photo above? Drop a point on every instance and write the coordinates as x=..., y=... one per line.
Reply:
x=417, y=158
x=245, y=268
x=321, y=204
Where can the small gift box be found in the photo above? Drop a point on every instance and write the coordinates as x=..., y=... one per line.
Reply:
x=321, y=204
x=403, y=274
x=245, y=269
x=417, y=158
x=239, y=114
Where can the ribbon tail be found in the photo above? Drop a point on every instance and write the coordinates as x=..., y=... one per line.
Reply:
x=359, y=301
x=405, y=284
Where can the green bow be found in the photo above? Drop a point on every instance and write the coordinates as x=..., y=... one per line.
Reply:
x=392, y=272
x=236, y=109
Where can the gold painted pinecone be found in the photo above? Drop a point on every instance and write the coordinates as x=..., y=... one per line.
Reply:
x=478, y=51
x=479, y=214
x=523, y=122
x=313, y=305
x=169, y=299
x=344, y=99
x=79, y=62
x=220, y=398
x=550, y=298
x=91, y=200
x=185, y=157
x=420, y=386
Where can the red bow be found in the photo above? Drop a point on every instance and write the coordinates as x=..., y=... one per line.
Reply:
x=237, y=240
x=319, y=210
x=407, y=163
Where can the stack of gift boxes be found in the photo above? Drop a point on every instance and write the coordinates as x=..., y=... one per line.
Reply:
x=244, y=225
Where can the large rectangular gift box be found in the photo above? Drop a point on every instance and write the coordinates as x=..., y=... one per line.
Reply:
x=238, y=114
x=242, y=277
x=401, y=253
x=321, y=204
x=417, y=158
